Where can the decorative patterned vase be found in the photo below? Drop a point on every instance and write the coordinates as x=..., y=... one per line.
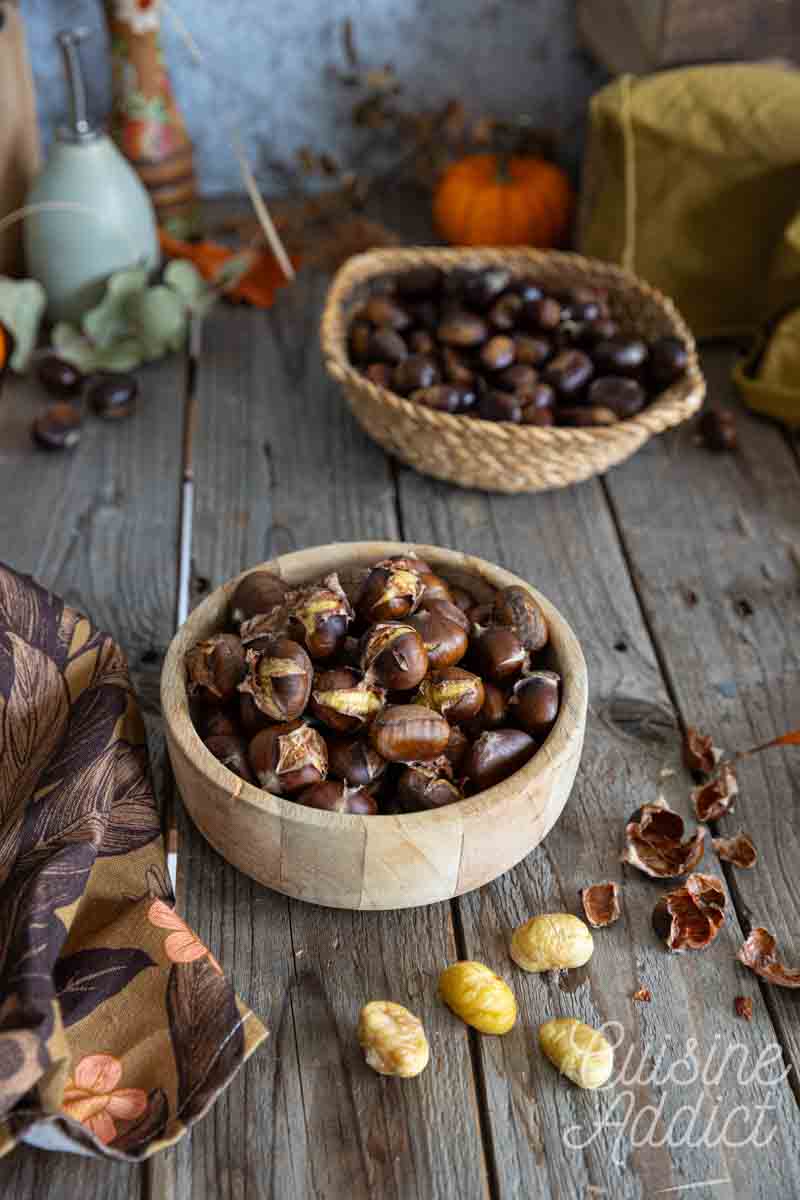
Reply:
x=146, y=122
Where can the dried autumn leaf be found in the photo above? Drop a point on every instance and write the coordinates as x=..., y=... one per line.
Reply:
x=713, y=799
x=654, y=843
x=759, y=953
x=644, y=995
x=699, y=753
x=738, y=850
x=691, y=916
x=743, y=1007
x=792, y=738
x=601, y=904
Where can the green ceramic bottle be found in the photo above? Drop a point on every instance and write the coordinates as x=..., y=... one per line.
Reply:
x=96, y=217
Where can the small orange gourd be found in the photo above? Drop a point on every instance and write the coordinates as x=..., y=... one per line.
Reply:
x=492, y=200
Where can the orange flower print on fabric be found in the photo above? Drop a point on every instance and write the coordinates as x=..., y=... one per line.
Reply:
x=93, y=1098
x=181, y=946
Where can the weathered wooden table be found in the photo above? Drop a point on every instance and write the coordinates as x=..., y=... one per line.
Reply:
x=680, y=573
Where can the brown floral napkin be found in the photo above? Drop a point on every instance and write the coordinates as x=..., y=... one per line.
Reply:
x=117, y=1026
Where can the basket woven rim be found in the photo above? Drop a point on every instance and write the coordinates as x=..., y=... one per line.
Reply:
x=674, y=405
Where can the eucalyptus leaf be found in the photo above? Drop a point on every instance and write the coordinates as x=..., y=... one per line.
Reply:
x=74, y=347
x=22, y=303
x=125, y=355
x=110, y=319
x=159, y=318
x=184, y=278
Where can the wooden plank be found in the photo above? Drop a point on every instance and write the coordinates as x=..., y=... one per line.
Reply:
x=98, y=526
x=715, y=550
x=281, y=465
x=565, y=543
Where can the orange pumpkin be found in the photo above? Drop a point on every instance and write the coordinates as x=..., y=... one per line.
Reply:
x=489, y=200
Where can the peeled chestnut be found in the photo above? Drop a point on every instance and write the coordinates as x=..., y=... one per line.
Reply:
x=320, y=615
x=499, y=653
x=259, y=592
x=534, y=702
x=418, y=790
x=389, y=593
x=409, y=733
x=338, y=797
x=287, y=758
x=343, y=700
x=445, y=640
x=231, y=750
x=455, y=693
x=215, y=667
x=394, y=655
x=495, y=755
x=515, y=607
x=279, y=679
x=354, y=761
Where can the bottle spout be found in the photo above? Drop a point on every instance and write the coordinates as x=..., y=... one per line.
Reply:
x=79, y=128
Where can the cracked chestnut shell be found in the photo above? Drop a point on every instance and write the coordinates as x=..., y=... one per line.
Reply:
x=258, y=593
x=455, y=693
x=394, y=655
x=287, y=758
x=495, y=755
x=419, y=790
x=389, y=593
x=332, y=796
x=355, y=761
x=320, y=615
x=409, y=733
x=343, y=700
x=279, y=678
x=214, y=668
x=534, y=702
x=516, y=608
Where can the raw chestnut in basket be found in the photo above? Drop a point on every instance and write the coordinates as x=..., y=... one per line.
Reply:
x=534, y=702
x=338, y=797
x=496, y=755
x=344, y=700
x=287, y=758
x=479, y=333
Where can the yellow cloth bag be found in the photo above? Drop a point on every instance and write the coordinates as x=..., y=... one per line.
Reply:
x=692, y=181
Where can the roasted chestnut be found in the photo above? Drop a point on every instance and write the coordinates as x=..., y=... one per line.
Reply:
x=493, y=713
x=434, y=589
x=344, y=700
x=215, y=722
x=279, y=678
x=231, y=750
x=58, y=427
x=288, y=758
x=338, y=797
x=455, y=693
x=59, y=376
x=259, y=592
x=112, y=395
x=516, y=608
x=499, y=652
x=534, y=702
x=456, y=748
x=394, y=655
x=389, y=593
x=354, y=761
x=445, y=640
x=419, y=789
x=441, y=606
x=320, y=615
x=409, y=733
x=462, y=598
x=495, y=755
x=214, y=668
x=251, y=718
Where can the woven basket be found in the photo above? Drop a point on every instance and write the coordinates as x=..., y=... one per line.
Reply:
x=499, y=456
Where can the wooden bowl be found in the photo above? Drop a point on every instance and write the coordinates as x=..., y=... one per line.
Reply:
x=379, y=862
x=497, y=456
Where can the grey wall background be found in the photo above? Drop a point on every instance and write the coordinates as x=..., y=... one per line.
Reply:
x=268, y=63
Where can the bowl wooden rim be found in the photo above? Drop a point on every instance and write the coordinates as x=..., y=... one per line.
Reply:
x=304, y=565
